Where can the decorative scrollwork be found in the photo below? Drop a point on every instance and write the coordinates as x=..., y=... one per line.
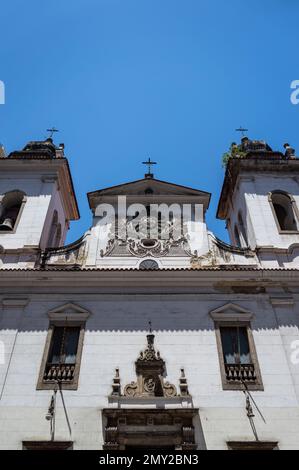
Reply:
x=131, y=389
x=169, y=390
x=149, y=385
x=150, y=371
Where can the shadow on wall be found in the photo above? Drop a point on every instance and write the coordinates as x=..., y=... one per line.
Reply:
x=132, y=313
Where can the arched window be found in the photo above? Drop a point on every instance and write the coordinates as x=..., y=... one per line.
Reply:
x=283, y=209
x=10, y=210
x=58, y=235
x=53, y=230
x=242, y=231
x=237, y=236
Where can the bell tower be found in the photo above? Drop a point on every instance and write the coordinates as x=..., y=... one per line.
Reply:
x=260, y=196
x=37, y=201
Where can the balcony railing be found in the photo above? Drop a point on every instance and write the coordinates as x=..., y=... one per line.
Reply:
x=63, y=372
x=240, y=372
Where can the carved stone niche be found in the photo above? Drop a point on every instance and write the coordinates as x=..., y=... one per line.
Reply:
x=150, y=371
x=136, y=428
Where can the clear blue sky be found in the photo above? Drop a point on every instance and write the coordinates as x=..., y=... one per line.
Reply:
x=128, y=79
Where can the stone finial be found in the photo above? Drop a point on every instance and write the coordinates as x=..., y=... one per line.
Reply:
x=116, y=387
x=183, y=385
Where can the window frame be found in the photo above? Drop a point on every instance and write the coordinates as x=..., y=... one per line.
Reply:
x=50, y=384
x=294, y=209
x=227, y=385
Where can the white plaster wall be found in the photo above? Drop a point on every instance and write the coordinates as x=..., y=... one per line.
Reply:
x=116, y=332
x=31, y=223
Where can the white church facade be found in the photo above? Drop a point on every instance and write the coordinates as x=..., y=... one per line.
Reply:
x=129, y=339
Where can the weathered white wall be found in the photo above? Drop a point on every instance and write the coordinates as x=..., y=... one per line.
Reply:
x=185, y=337
x=42, y=199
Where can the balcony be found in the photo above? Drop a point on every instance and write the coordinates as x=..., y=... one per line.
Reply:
x=61, y=372
x=240, y=373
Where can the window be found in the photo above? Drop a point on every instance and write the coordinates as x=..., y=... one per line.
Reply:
x=283, y=209
x=148, y=264
x=63, y=350
x=58, y=236
x=53, y=231
x=236, y=349
x=236, y=354
x=62, y=357
x=11, y=207
x=237, y=237
x=243, y=235
x=238, y=357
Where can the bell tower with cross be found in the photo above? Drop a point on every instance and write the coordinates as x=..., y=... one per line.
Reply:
x=37, y=200
x=260, y=197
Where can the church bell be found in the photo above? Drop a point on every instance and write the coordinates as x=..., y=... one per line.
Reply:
x=6, y=225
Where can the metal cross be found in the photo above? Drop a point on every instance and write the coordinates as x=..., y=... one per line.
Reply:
x=242, y=130
x=150, y=326
x=52, y=130
x=149, y=163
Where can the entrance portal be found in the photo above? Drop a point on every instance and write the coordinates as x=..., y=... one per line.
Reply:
x=149, y=429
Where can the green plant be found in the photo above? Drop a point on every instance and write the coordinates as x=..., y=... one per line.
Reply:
x=235, y=151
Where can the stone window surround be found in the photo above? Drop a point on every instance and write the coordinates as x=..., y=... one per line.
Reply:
x=294, y=208
x=24, y=200
x=66, y=315
x=233, y=315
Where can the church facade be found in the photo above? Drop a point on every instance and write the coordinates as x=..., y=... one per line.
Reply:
x=149, y=332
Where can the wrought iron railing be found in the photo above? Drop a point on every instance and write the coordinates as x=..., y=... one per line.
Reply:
x=240, y=372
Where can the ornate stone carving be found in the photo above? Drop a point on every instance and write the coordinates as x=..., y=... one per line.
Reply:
x=153, y=427
x=111, y=437
x=150, y=370
x=140, y=244
x=131, y=389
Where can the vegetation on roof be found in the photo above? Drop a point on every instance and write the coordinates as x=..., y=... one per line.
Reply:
x=235, y=151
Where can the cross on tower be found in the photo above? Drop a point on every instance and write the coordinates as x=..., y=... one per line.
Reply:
x=52, y=130
x=149, y=163
x=242, y=130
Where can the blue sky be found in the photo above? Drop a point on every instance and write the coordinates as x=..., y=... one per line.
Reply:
x=128, y=79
